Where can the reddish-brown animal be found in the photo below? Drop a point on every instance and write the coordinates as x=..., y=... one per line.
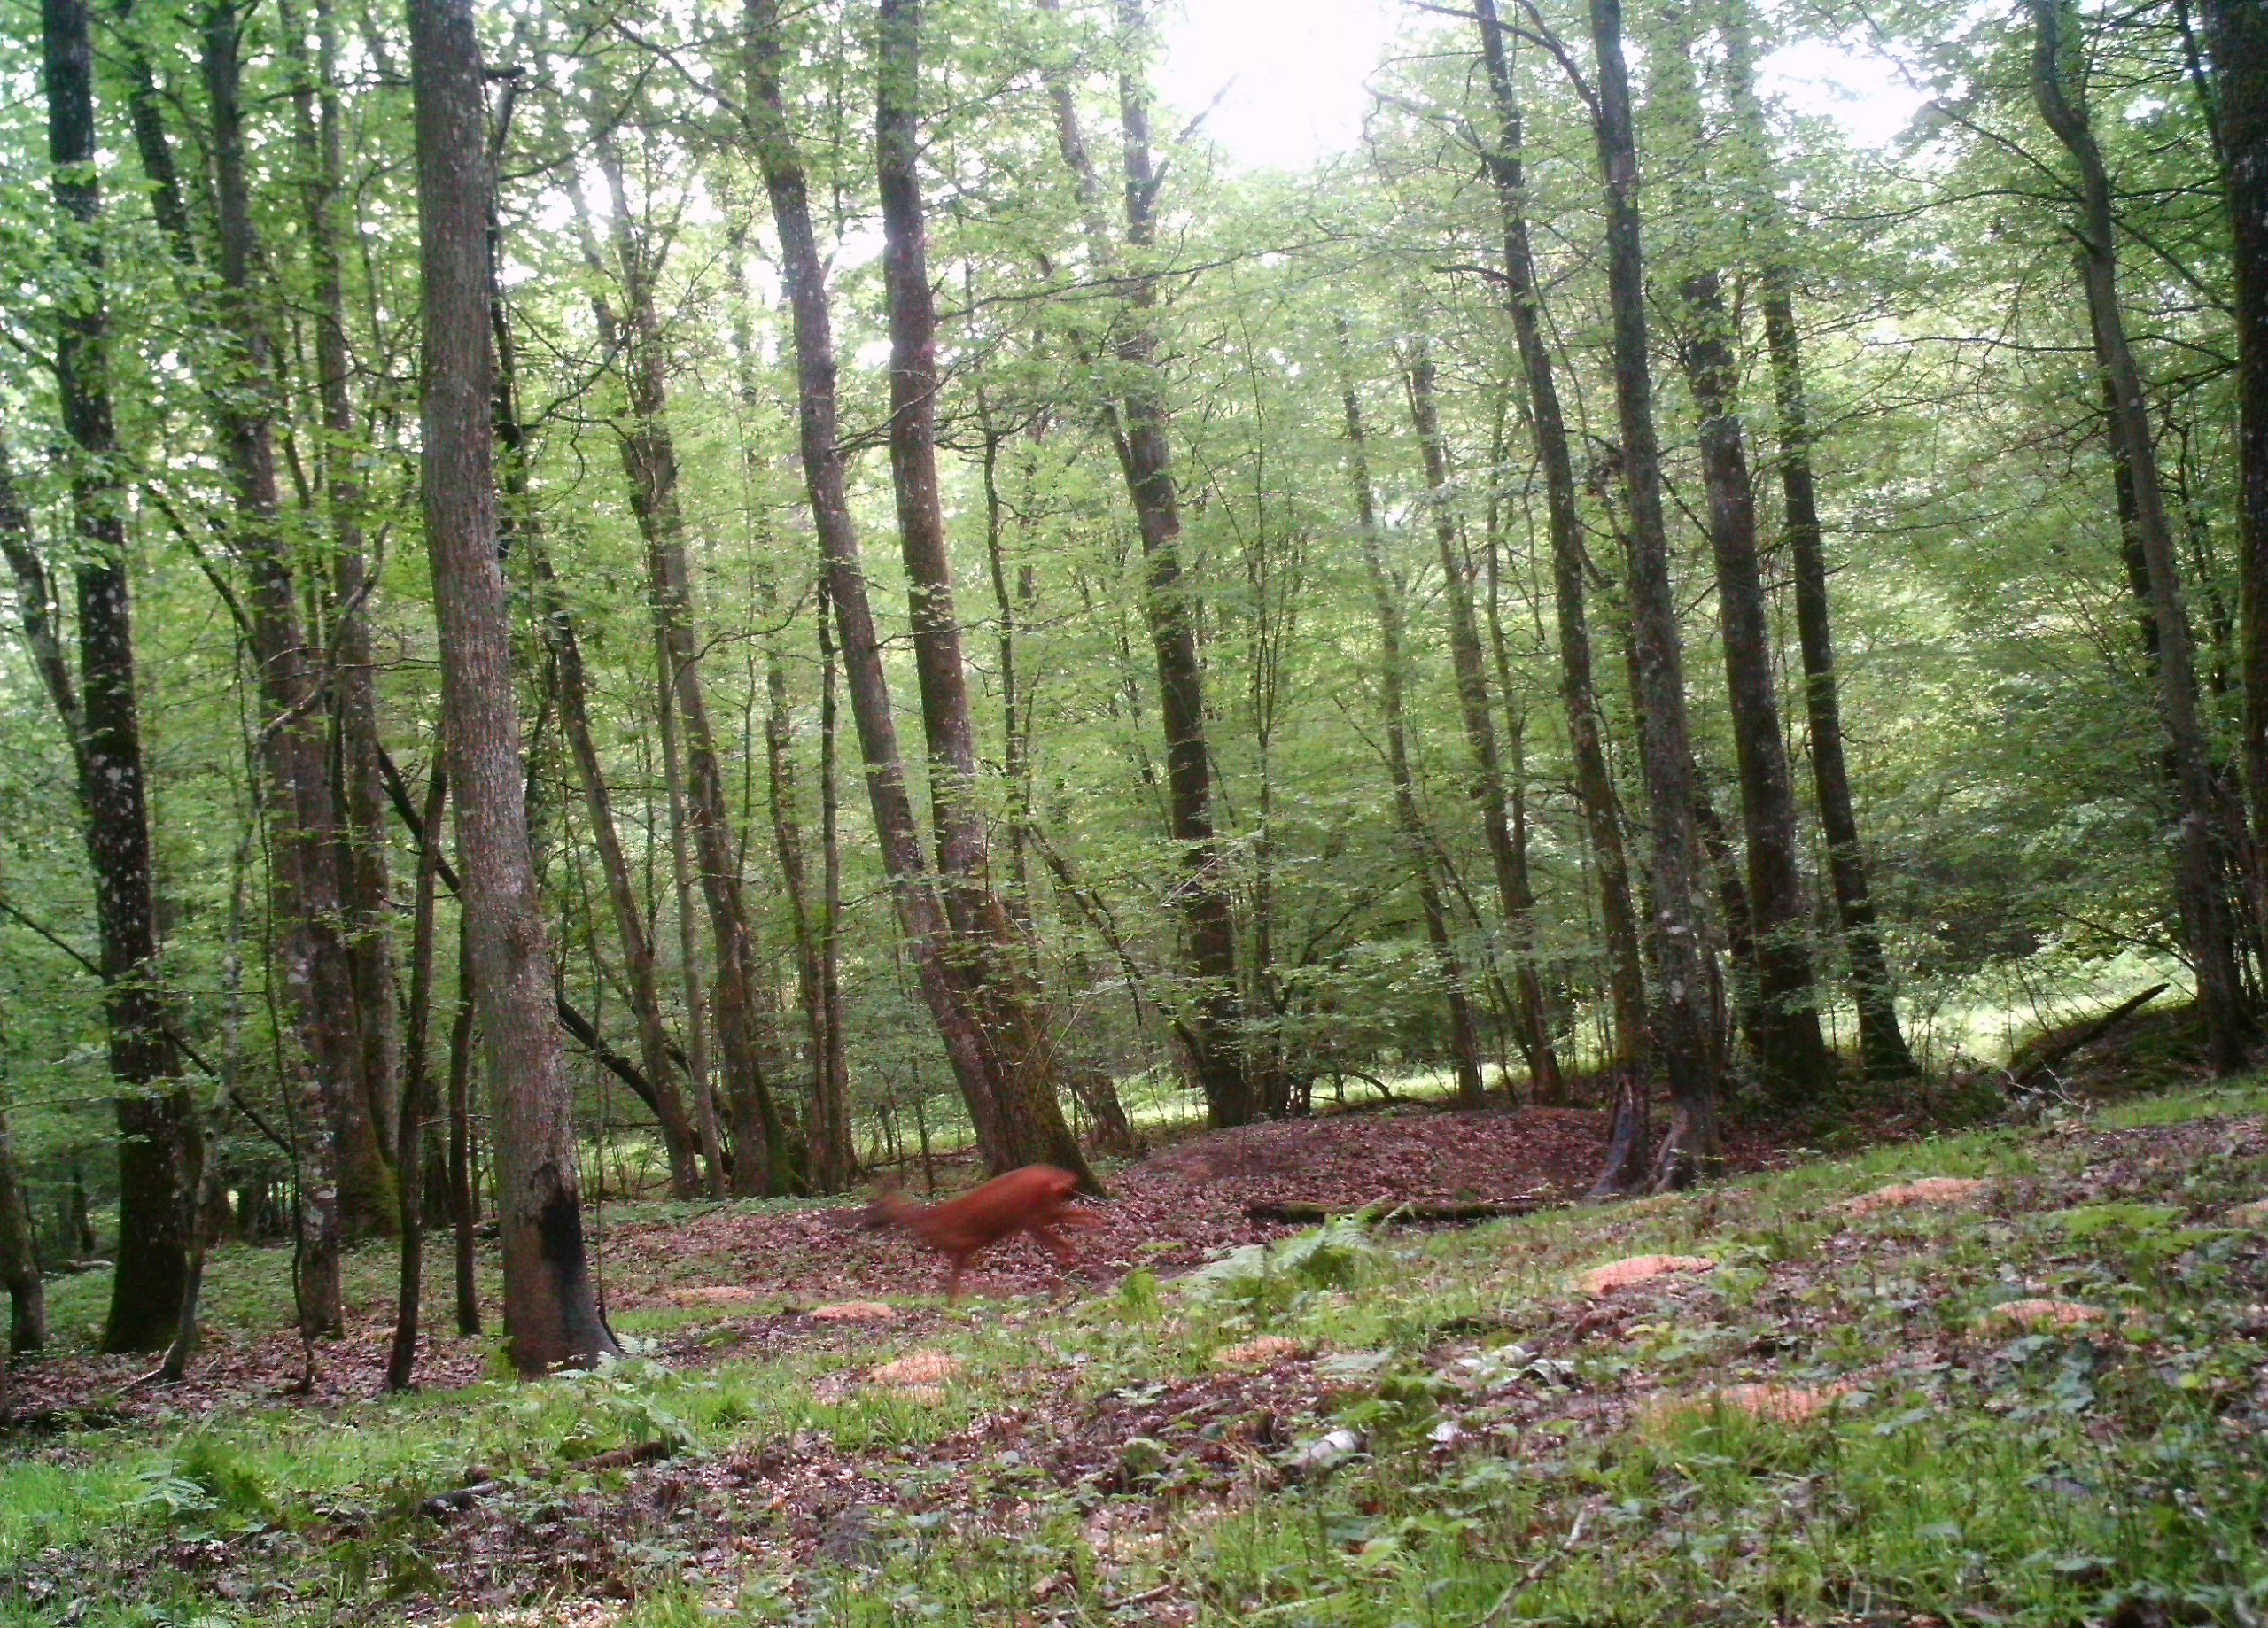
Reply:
x=1035, y=1199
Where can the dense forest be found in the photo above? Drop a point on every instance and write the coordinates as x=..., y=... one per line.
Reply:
x=702, y=597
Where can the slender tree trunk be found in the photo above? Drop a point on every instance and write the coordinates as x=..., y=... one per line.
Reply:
x=2236, y=33
x=360, y=852
x=2204, y=918
x=836, y=1069
x=19, y=1257
x=1029, y=1118
x=463, y=1215
x=1529, y=1027
x=696, y=1001
x=342, y=1173
x=1882, y=1043
x=1791, y=1050
x=417, y=1093
x=921, y=918
x=1465, y=1047
x=1169, y=604
x=833, y=1160
x=1682, y=1026
x=160, y=1145
x=1549, y=999
x=678, y=1139
x=764, y=1160
x=207, y=1229
x=550, y=1318
x=1594, y=781
x=639, y=960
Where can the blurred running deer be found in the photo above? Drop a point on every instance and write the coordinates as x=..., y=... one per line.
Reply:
x=1035, y=1199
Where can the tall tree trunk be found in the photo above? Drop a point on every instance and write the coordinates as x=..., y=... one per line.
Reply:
x=160, y=1145
x=517, y=517
x=678, y=1139
x=764, y=1160
x=341, y=1171
x=416, y=1093
x=833, y=1161
x=19, y=1257
x=212, y=1200
x=696, y=1000
x=1169, y=605
x=836, y=1067
x=1027, y=1116
x=1529, y=1025
x=1882, y=1043
x=360, y=853
x=463, y=1211
x=1683, y=1025
x=2236, y=33
x=2204, y=920
x=1578, y=693
x=550, y=1318
x=1791, y=1050
x=1465, y=1047
x=1548, y=999
x=921, y=918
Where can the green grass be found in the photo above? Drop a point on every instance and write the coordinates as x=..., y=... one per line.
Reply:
x=1516, y=1463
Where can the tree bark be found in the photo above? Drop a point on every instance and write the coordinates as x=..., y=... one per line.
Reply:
x=360, y=852
x=2236, y=34
x=1681, y=1025
x=416, y=1094
x=550, y=1318
x=833, y=1161
x=764, y=1160
x=1882, y=1043
x=1465, y=1047
x=696, y=1001
x=1530, y=1027
x=463, y=1212
x=1029, y=1117
x=921, y=916
x=19, y=1257
x=837, y=1063
x=1578, y=693
x=2197, y=882
x=342, y=1174
x=1169, y=605
x=1790, y=1052
x=160, y=1145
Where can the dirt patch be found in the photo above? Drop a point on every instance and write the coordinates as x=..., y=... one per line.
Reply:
x=1931, y=1191
x=1638, y=1269
x=853, y=1311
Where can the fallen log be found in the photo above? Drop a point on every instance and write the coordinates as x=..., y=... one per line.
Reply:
x=2086, y=1036
x=1295, y=1211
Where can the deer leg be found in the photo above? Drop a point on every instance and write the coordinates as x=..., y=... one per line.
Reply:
x=952, y=1282
x=1058, y=1245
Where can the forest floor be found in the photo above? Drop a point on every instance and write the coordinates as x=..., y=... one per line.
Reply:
x=2037, y=1395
